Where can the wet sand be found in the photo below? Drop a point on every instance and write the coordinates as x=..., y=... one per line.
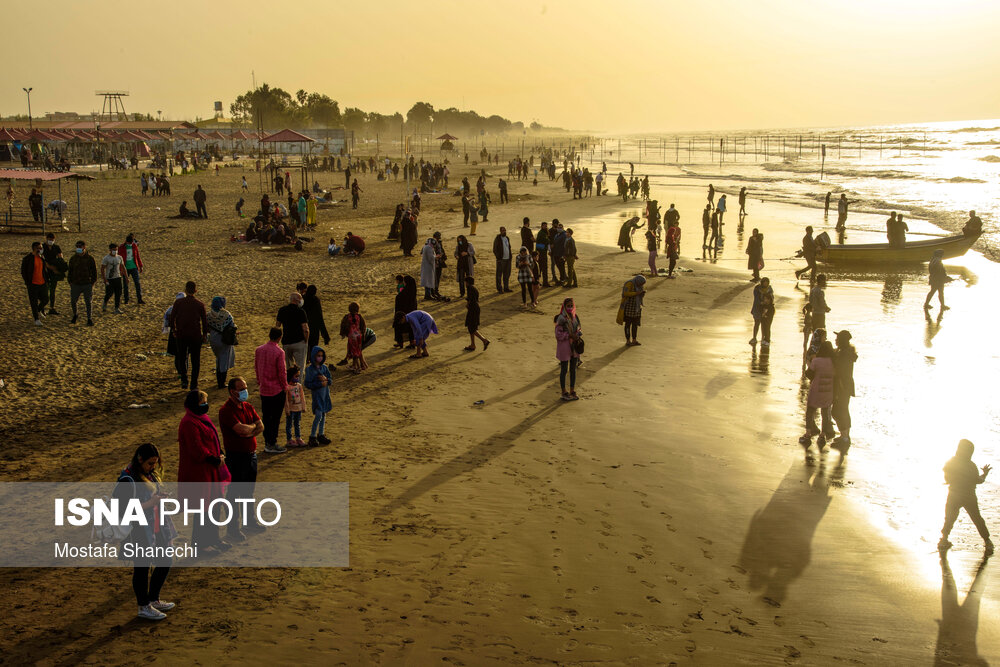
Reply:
x=669, y=516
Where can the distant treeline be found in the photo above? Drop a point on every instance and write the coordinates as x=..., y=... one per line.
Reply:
x=274, y=107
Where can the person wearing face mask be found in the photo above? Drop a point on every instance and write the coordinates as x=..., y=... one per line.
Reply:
x=82, y=275
x=54, y=262
x=129, y=252
x=112, y=270
x=35, y=275
x=240, y=425
x=200, y=462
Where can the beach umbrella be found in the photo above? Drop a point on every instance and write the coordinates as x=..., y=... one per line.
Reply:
x=6, y=135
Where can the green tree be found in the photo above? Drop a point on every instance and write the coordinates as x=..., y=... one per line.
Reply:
x=420, y=113
x=322, y=110
x=271, y=106
x=354, y=119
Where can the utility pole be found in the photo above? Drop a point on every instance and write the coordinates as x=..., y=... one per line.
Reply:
x=28, y=93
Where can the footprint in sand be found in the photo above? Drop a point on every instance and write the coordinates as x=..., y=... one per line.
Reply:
x=690, y=646
x=705, y=540
x=647, y=584
x=704, y=552
x=653, y=599
x=645, y=504
x=779, y=621
x=773, y=603
x=739, y=569
x=557, y=570
x=631, y=570
x=679, y=568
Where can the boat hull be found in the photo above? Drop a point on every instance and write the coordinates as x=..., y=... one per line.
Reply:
x=915, y=252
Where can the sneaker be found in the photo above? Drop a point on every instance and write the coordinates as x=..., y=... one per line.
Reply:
x=291, y=443
x=53, y=311
x=274, y=449
x=753, y=341
x=821, y=441
x=805, y=440
x=151, y=614
x=38, y=323
x=41, y=314
x=944, y=544
x=300, y=442
x=73, y=320
x=989, y=546
x=323, y=440
x=162, y=605
x=313, y=442
x=90, y=323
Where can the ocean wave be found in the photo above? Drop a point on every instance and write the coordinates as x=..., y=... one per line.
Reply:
x=974, y=129
x=991, y=142
x=989, y=158
x=960, y=179
x=796, y=168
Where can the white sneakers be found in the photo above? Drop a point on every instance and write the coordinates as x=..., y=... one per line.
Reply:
x=154, y=610
x=151, y=614
x=38, y=323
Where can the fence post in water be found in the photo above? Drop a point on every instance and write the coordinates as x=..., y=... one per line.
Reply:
x=880, y=147
x=722, y=153
x=800, y=145
x=677, y=149
x=822, y=164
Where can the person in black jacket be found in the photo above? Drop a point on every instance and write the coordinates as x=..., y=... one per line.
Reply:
x=527, y=238
x=54, y=262
x=82, y=275
x=503, y=253
x=314, y=316
x=406, y=302
x=35, y=275
x=199, y=202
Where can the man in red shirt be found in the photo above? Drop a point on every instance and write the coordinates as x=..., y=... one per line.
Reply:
x=269, y=365
x=240, y=427
x=35, y=276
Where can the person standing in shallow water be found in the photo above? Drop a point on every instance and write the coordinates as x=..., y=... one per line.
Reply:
x=962, y=477
x=755, y=254
x=938, y=278
x=821, y=373
x=762, y=311
x=843, y=389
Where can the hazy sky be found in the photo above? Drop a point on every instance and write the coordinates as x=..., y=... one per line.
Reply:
x=623, y=65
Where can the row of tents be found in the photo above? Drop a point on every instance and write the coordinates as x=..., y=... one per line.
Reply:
x=15, y=134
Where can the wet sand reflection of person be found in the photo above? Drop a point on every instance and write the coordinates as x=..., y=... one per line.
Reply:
x=959, y=624
x=778, y=545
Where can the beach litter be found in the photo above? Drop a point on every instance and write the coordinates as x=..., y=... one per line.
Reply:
x=138, y=406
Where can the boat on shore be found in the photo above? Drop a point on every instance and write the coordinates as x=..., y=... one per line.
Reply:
x=913, y=252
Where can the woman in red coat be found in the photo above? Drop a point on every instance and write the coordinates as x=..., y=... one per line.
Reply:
x=200, y=464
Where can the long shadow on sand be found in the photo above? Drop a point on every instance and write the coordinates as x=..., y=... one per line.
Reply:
x=494, y=445
x=778, y=546
x=959, y=624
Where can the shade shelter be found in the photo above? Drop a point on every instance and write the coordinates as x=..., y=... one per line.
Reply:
x=292, y=137
x=17, y=215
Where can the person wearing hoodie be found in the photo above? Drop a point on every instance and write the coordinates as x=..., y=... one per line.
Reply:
x=318, y=382
x=821, y=372
x=962, y=477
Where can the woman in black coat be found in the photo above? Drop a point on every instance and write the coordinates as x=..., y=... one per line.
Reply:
x=406, y=302
x=408, y=233
x=314, y=316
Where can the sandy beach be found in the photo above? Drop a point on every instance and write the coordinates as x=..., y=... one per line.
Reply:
x=669, y=517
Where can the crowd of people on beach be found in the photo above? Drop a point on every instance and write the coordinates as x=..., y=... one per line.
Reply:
x=291, y=368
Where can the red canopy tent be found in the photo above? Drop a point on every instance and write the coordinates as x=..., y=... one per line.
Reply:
x=13, y=220
x=7, y=135
x=287, y=137
x=240, y=135
x=447, y=137
x=215, y=134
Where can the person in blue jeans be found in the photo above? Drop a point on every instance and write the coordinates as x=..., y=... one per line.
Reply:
x=318, y=382
x=129, y=251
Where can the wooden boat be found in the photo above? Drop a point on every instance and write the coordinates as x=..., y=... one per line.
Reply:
x=914, y=252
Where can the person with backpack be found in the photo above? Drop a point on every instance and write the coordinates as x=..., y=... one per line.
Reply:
x=142, y=479
x=222, y=337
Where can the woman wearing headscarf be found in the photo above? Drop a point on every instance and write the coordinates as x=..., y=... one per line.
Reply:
x=428, y=263
x=630, y=310
x=218, y=320
x=171, y=341
x=755, y=254
x=472, y=314
x=821, y=373
x=568, y=332
x=408, y=233
x=200, y=463
x=762, y=311
x=524, y=276
x=423, y=325
x=314, y=316
x=465, y=256
x=406, y=302
x=141, y=479
x=395, y=227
